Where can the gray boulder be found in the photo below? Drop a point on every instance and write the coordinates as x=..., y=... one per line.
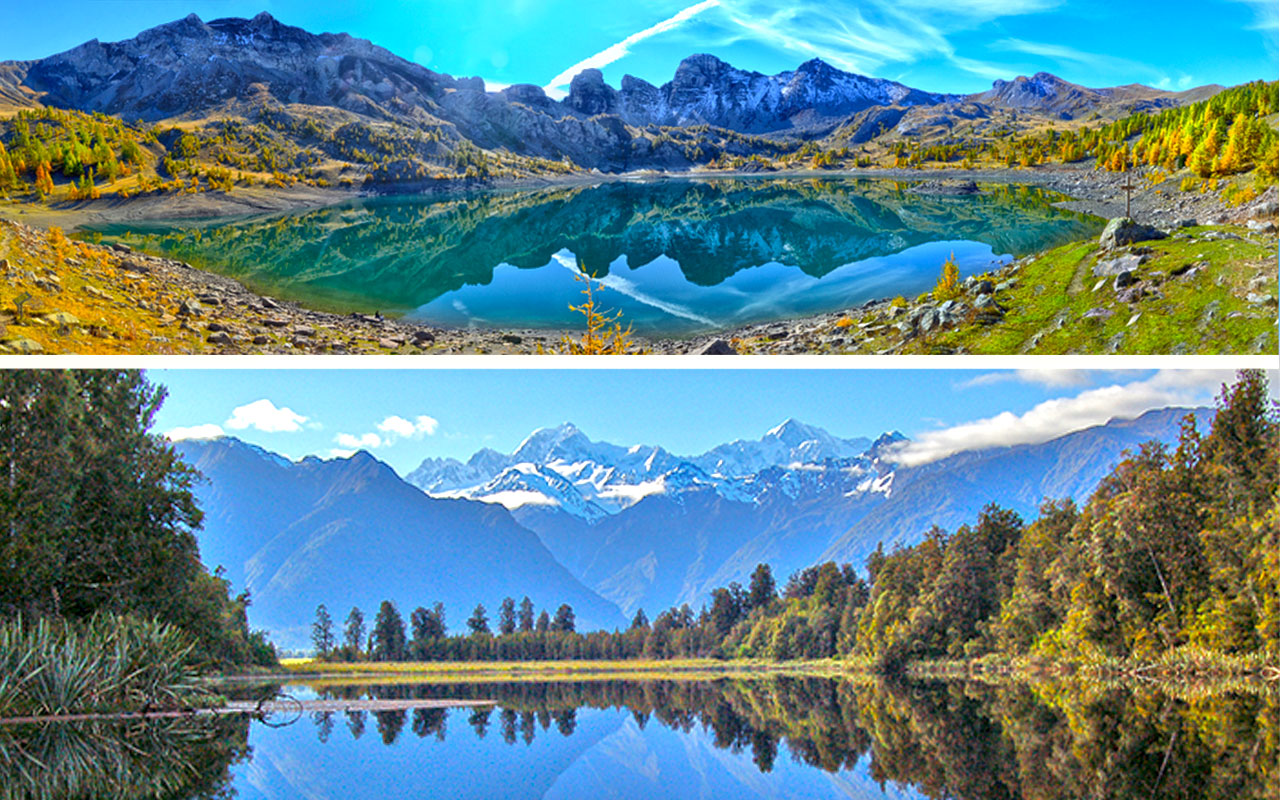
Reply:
x=719, y=347
x=1123, y=230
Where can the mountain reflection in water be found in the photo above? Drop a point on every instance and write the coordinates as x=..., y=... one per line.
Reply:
x=733, y=737
x=677, y=256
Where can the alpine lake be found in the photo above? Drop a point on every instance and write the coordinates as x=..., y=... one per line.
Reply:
x=740, y=736
x=674, y=257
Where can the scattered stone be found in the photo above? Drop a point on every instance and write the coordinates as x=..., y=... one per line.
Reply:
x=209, y=299
x=303, y=330
x=269, y=304
x=718, y=347
x=1123, y=279
x=511, y=338
x=947, y=188
x=1115, y=266
x=261, y=339
x=1133, y=319
x=275, y=323
x=1099, y=313
x=1259, y=299
x=1261, y=226
x=1131, y=295
x=23, y=345
x=220, y=337
x=189, y=308
x=987, y=303
x=96, y=293
x=387, y=344
x=63, y=319
x=1189, y=222
x=121, y=248
x=214, y=327
x=982, y=287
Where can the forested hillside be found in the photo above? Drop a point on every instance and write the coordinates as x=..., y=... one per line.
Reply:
x=97, y=515
x=1174, y=557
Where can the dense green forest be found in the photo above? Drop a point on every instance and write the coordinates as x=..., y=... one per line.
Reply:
x=1176, y=555
x=97, y=518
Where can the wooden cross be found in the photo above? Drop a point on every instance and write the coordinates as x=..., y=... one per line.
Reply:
x=1128, y=189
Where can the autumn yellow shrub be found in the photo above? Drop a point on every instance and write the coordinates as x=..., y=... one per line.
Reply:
x=948, y=287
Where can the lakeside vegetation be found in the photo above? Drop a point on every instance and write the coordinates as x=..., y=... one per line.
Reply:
x=1174, y=563
x=103, y=599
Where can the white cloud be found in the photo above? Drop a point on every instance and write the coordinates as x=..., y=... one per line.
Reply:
x=399, y=426
x=616, y=51
x=1184, y=81
x=338, y=452
x=363, y=441
x=1054, y=418
x=1051, y=378
x=390, y=430
x=263, y=415
x=207, y=431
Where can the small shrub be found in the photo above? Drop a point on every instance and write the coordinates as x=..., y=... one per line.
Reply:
x=948, y=287
x=605, y=334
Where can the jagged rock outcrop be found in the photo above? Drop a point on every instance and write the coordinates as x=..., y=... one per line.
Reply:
x=190, y=69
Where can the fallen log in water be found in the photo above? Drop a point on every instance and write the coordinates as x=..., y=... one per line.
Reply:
x=279, y=706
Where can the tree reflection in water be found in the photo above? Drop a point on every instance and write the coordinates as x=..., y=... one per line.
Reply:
x=1049, y=740
x=1063, y=739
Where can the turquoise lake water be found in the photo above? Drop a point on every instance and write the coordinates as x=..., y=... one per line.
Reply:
x=674, y=257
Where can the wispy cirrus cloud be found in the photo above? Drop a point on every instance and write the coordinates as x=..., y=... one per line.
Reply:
x=862, y=37
x=1266, y=14
x=557, y=85
x=1052, y=378
x=1059, y=416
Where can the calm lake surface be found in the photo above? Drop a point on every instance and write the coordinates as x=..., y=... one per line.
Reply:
x=730, y=738
x=676, y=257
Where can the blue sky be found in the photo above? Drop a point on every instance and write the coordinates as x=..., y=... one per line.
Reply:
x=941, y=45
x=405, y=416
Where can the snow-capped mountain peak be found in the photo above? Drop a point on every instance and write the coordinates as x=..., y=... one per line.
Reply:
x=560, y=467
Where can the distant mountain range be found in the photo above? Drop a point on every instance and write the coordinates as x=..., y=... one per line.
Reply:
x=349, y=532
x=606, y=528
x=191, y=69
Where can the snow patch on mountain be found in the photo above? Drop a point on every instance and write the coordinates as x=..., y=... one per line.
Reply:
x=560, y=467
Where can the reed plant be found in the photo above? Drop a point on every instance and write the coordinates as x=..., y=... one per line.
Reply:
x=109, y=662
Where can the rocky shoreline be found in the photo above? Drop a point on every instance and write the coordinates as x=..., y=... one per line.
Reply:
x=209, y=313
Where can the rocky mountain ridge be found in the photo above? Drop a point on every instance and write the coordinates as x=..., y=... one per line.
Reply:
x=195, y=70
x=299, y=533
x=561, y=468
